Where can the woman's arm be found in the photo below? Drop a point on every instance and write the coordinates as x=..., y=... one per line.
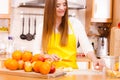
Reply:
x=85, y=44
x=81, y=36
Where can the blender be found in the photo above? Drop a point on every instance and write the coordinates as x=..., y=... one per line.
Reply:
x=102, y=48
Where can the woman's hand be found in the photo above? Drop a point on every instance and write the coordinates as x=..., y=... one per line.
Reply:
x=99, y=64
x=52, y=57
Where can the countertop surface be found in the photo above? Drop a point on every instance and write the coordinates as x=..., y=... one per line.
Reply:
x=71, y=75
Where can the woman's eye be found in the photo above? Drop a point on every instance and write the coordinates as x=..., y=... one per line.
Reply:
x=64, y=4
x=57, y=5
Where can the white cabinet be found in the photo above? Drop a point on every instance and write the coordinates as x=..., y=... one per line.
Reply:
x=101, y=11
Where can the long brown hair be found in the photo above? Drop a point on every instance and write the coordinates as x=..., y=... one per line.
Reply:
x=50, y=21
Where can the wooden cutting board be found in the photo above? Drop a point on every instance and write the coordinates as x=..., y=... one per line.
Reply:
x=22, y=73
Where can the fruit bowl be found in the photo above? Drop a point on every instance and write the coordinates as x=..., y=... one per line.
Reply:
x=112, y=66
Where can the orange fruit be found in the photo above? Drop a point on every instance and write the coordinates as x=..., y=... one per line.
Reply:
x=11, y=64
x=35, y=57
x=45, y=68
x=27, y=56
x=36, y=65
x=17, y=55
x=6, y=62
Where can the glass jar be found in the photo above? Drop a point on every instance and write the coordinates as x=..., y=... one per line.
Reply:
x=112, y=66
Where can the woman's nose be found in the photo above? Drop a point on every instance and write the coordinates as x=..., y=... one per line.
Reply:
x=61, y=7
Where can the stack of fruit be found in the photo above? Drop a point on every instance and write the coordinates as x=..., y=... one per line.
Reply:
x=28, y=62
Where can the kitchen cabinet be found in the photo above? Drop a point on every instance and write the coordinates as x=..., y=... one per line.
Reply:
x=102, y=11
x=116, y=13
x=16, y=3
x=115, y=41
x=5, y=9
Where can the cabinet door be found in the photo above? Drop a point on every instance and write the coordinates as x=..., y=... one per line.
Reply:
x=101, y=11
x=5, y=9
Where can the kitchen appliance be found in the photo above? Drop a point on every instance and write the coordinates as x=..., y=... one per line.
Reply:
x=102, y=48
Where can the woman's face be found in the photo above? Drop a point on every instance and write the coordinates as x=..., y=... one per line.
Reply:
x=61, y=8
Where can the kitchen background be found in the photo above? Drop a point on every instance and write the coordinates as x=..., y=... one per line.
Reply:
x=17, y=14
x=84, y=14
x=84, y=10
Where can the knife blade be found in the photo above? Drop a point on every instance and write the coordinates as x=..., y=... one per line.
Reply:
x=66, y=60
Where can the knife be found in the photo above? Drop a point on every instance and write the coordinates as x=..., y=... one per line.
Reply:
x=66, y=60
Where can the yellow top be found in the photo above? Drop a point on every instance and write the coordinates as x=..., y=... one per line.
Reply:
x=66, y=52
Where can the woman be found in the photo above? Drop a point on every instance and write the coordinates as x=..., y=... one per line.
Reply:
x=61, y=34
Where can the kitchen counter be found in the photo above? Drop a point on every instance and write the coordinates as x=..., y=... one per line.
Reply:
x=73, y=75
x=85, y=59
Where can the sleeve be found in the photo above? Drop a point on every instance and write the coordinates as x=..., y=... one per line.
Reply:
x=37, y=41
x=81, y=36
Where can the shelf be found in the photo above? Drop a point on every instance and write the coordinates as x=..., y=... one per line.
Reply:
x=101, y=20
x=42, y=5
x=4, y=25
x=3, y=31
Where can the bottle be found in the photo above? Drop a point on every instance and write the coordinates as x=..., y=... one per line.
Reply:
x=10, y=46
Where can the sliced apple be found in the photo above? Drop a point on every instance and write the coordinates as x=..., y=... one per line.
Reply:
x=28, y=66
x=20, y=64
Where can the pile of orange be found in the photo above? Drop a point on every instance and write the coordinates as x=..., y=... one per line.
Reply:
x=13, y=62
x=19, y=58
x=42, y=67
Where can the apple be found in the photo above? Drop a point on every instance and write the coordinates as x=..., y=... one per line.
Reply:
x=33, y=63
x=52, y=69
x=119, y=25
x=20, y=64
x=41, y=58
x=83, y=55
x=28, y=66
x=80, y=55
